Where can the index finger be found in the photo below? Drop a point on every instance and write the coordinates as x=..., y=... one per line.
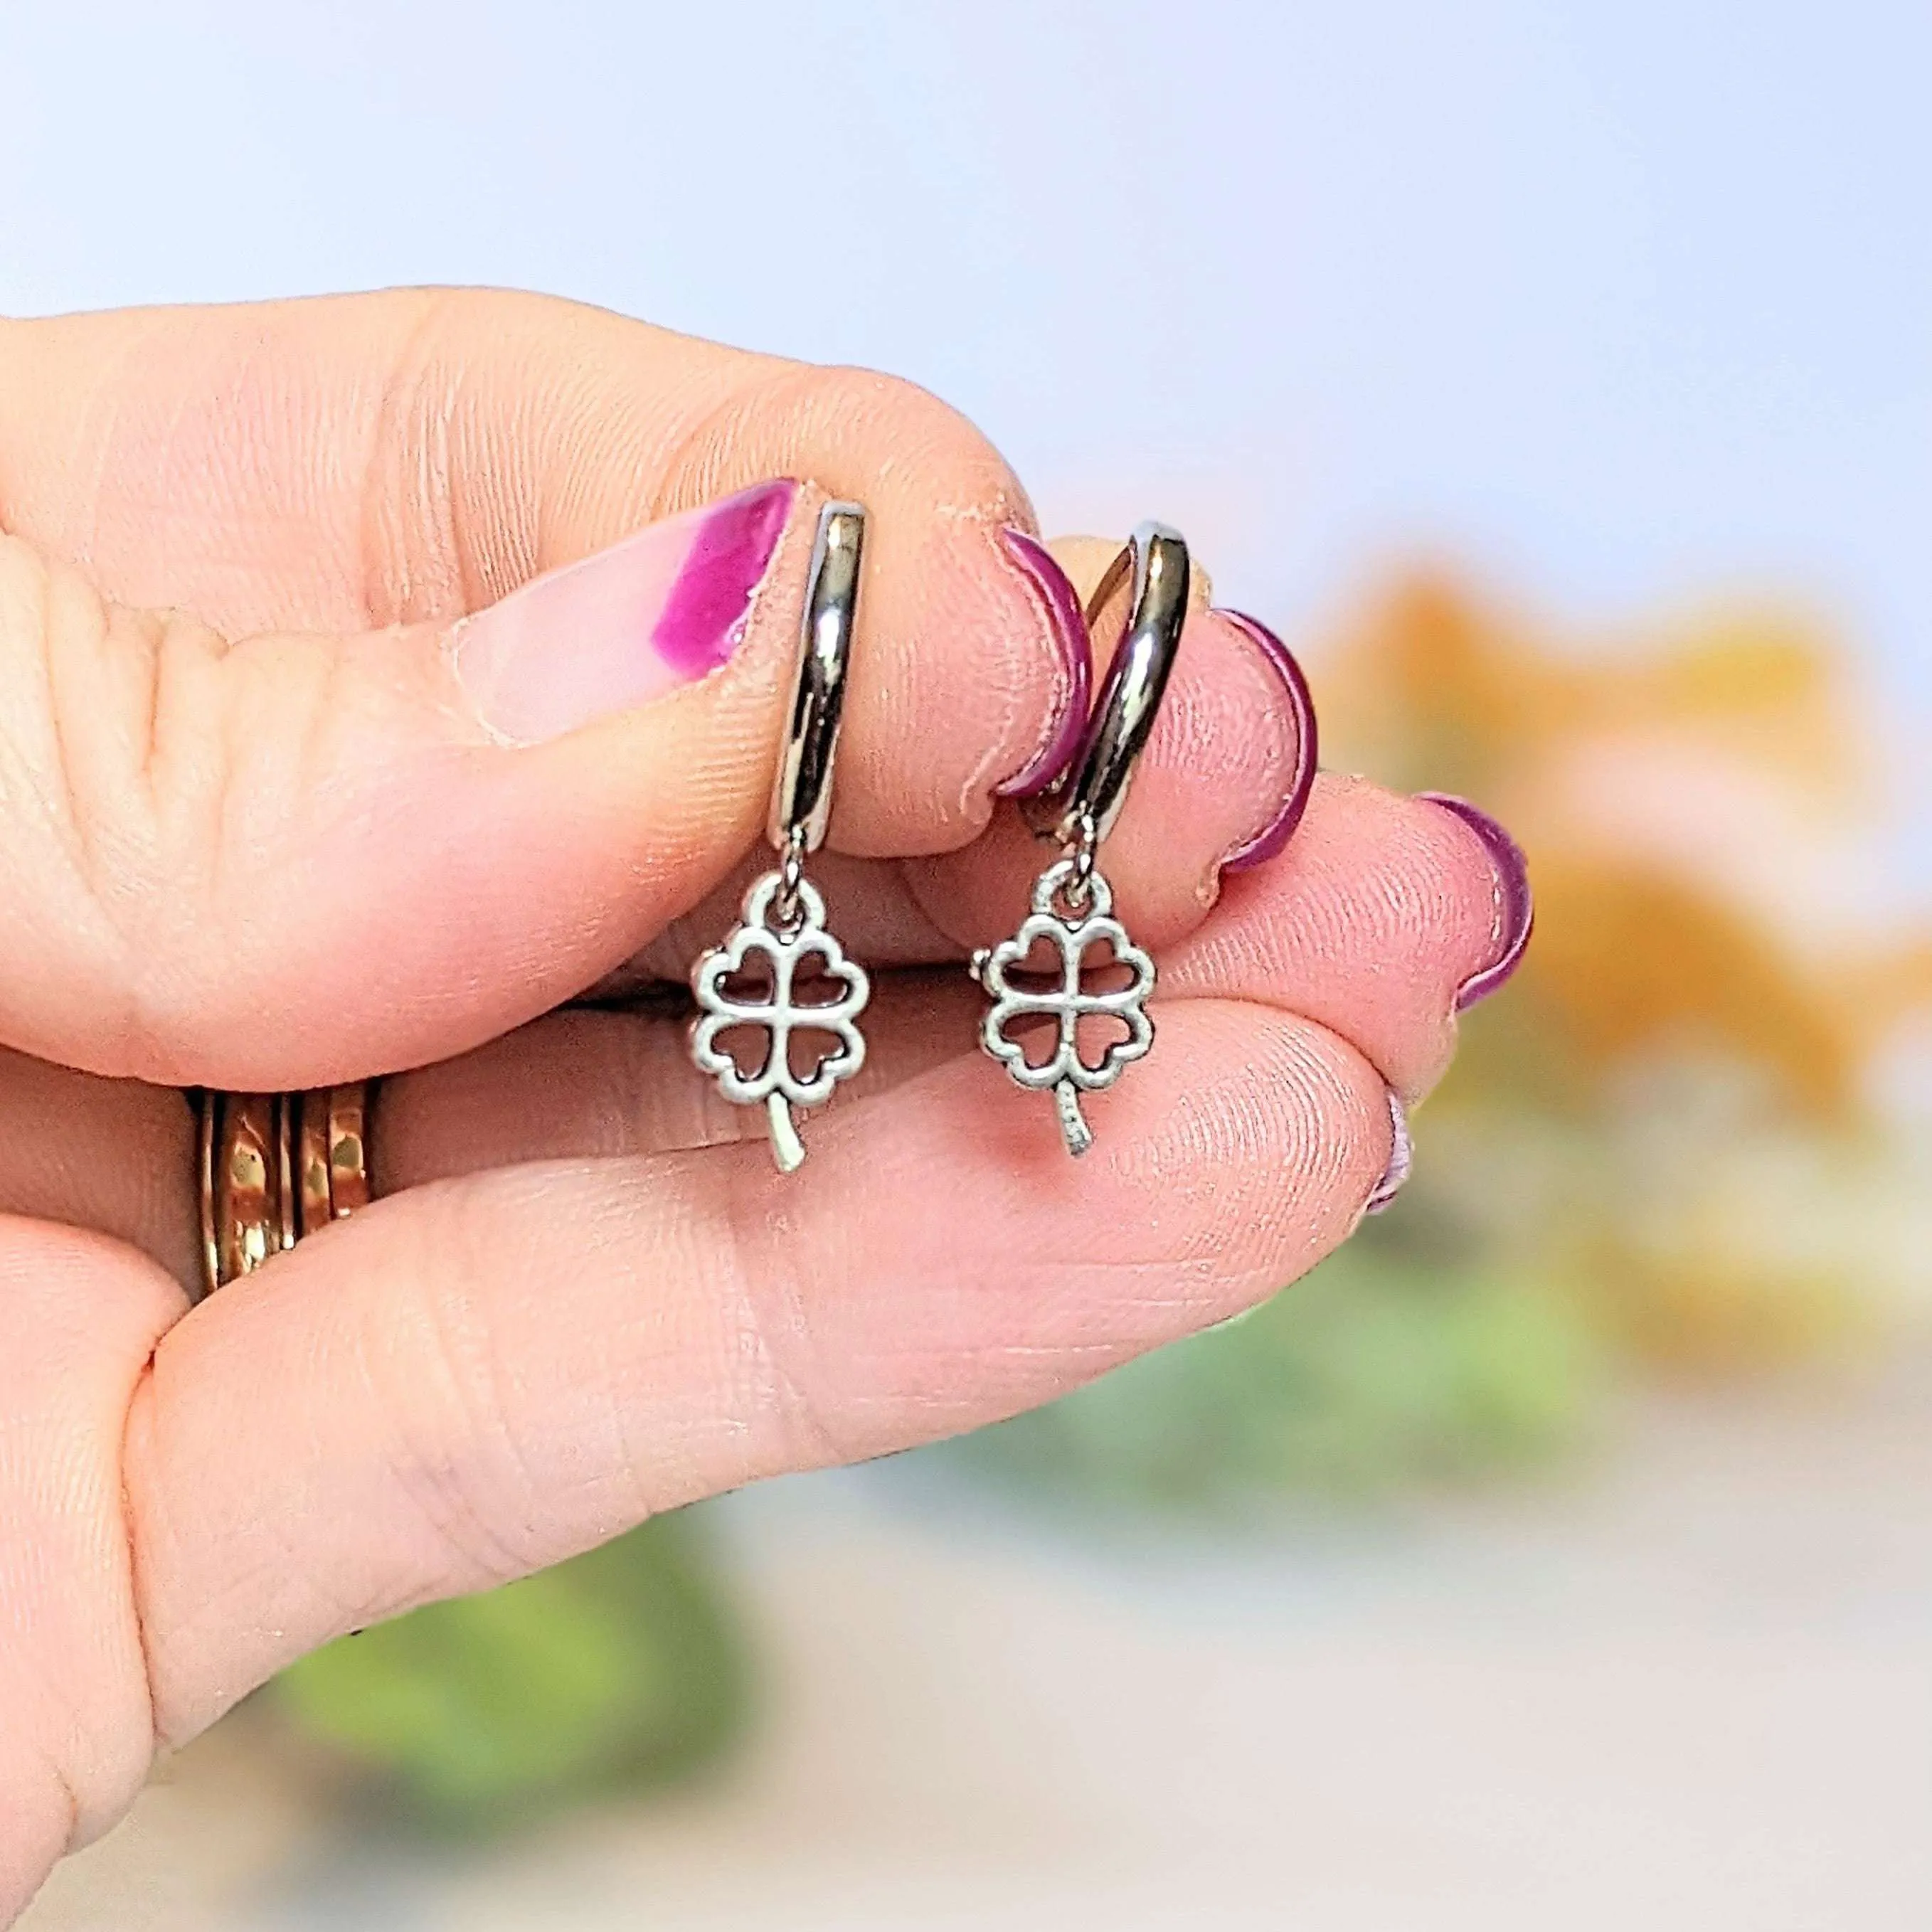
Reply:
x=408, y=457
x=280, y=858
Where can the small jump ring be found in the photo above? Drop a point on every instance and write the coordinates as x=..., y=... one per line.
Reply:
x=1084, y=843
x=1095, y=788
x=789, y=905
x=802, y=798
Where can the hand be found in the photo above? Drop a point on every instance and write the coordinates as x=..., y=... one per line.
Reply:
x=332, y=787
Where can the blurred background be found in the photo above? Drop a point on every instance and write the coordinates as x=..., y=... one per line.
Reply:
x=1559, y=379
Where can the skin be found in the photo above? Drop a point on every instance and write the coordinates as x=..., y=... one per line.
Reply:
x=253, y=840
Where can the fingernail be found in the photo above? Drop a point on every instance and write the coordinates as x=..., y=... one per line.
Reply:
x=1066, y=626
x=1401, y=1159
x=1515, y=912
x=657, y=611
x=1287, y=815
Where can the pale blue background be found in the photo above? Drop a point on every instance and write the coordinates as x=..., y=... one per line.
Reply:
x=1620, y=304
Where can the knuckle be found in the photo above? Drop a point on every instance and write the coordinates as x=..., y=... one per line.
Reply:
x=791, y=1400
x=148, y=771
x=96, y=694
x=493, y=1484
x=76, y=684
x=458, y=1453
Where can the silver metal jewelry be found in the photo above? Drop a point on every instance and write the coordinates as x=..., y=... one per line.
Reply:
x=781, y=935
x=1072, y=904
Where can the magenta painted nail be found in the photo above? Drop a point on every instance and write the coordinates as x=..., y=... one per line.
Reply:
x=1066, y=625
x=656, y=611
x=1401, y=1160
x=1287, y=815
x=1515, y=907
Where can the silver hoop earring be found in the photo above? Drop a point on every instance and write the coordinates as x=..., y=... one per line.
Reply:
x=1072, y=909
x=779, y=973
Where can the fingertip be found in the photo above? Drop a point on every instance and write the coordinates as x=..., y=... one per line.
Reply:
x=1513, y=903
x=1224, y=780
x=1298, y=704
x=1072, y=651
x=1379, y=911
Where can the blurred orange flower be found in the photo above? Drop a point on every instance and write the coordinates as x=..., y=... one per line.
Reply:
x=1693, y=805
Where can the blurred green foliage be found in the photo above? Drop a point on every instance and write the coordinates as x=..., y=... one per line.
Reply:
x=1391, y=1362
x=621, y=1668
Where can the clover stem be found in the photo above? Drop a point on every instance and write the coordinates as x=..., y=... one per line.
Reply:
x=1073, y=1127
x=787, y=1149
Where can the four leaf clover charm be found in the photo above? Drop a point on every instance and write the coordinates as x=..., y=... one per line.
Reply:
x=1066, y=1002
x=781, y=937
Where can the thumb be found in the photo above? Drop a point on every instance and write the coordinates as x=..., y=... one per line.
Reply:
x=290, y=858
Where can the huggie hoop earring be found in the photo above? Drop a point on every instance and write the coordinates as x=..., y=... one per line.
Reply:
x=782, y=928
x=1073, y=903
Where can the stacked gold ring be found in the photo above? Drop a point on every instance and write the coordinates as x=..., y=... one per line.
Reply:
x=274, y=1167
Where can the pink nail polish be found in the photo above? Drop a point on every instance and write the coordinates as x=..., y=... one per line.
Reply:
x=1066, y=625
x=1275, y=833
x=656, y=611
x=1516, y=908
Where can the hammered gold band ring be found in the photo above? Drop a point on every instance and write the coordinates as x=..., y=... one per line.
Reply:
x=274, y=1167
